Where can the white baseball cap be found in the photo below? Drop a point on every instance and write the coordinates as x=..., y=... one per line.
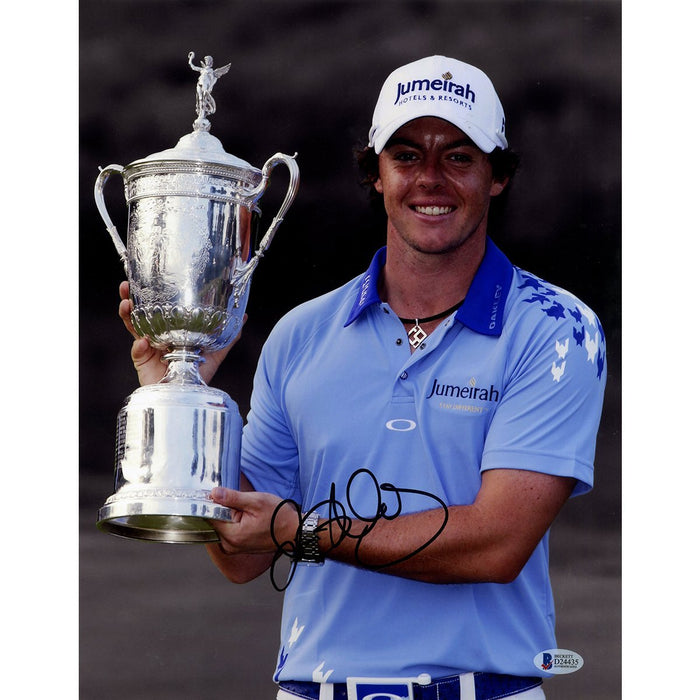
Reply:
x=443, y=87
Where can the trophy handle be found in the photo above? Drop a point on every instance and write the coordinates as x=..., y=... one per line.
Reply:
x=270, y=164
x=243, y=274
x=102, y=208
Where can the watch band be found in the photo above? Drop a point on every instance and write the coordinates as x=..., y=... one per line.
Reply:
x=309, y=551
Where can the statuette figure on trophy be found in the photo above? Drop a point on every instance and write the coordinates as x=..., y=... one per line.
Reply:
x=189, y=261
x=207, y=77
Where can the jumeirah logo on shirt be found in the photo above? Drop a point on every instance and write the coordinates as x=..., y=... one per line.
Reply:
x=470, y=391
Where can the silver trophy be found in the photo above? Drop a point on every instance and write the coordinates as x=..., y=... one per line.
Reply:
x=189, y=265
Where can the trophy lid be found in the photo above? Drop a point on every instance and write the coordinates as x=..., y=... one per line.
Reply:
x=201, y=147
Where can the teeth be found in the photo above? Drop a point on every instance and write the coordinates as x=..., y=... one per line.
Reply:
x=434, y=211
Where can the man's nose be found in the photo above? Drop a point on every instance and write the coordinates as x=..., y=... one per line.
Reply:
x=430, y=174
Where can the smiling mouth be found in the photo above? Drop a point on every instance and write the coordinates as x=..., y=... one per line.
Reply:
x=433, y=211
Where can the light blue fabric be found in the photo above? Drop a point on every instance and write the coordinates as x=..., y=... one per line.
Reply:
x=514, y=379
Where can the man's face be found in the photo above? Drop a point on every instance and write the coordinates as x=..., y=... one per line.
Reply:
x=437, y=186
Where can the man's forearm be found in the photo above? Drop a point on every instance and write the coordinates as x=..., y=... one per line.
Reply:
x=488, y=541
x=431, y=546
x=239, y=568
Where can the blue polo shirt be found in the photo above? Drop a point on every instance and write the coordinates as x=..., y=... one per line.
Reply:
x=514, y=379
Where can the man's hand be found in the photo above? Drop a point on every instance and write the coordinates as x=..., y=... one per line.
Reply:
x=148, y=361
x=246, y=548
x=249, y=532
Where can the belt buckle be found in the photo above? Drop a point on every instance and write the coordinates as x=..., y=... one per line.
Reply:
x=360, y=688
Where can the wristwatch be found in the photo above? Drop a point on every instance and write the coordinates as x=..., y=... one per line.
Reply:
x=308, y=550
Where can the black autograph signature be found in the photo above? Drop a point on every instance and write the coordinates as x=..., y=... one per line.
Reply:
x=338, y=523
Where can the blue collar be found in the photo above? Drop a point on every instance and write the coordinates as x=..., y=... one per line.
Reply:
x=482, y=310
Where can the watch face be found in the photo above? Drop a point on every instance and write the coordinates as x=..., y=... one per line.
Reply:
x=309, y=551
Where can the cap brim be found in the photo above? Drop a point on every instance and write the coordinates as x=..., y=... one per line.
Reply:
x=379, y=139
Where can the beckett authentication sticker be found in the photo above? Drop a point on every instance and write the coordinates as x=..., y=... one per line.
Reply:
x=558, y=661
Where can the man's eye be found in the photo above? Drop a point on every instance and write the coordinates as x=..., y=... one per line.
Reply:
x=461, y=157
x=404, y=156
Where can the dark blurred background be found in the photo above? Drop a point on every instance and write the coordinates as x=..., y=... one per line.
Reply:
x=157, y=621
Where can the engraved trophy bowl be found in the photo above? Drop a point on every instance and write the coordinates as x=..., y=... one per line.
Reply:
x=189, y=259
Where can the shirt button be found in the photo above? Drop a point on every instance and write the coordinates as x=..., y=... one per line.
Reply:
x=403, y=375
x=399, y=341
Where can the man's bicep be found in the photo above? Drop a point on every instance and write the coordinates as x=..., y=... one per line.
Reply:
x=523, y=503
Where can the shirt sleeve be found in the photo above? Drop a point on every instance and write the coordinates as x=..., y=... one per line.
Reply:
x=549, y=416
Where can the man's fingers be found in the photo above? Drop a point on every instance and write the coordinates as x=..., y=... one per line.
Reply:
x=142, y=352
x=147, y=362
x=125, y=308
x=229, y=497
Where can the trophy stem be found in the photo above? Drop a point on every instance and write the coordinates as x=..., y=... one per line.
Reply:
x=183, y=367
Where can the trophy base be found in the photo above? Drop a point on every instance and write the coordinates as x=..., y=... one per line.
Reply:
x=154, y=518
x=175, y=443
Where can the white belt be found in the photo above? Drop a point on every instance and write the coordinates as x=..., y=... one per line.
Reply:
x=466, y=688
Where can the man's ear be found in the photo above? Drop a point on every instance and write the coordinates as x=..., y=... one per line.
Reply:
x=378, y=185
x=497, y=186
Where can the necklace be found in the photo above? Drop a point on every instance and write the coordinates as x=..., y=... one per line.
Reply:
x=417, y=335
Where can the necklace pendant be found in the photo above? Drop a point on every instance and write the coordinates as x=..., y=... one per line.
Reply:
x=416, y=336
